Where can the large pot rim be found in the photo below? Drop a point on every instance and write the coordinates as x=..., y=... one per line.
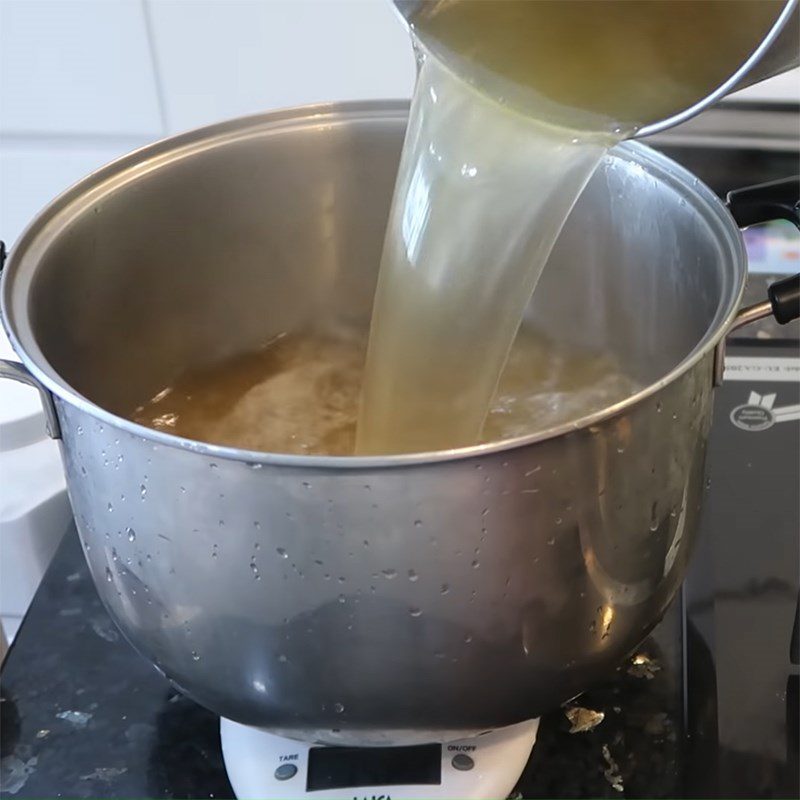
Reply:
x=51, y=222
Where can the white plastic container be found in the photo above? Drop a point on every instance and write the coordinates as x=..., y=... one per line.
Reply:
x=34, y=509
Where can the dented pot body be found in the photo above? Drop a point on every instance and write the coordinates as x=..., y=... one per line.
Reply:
x=368, y=599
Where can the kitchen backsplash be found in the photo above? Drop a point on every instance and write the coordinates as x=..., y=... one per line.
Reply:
x=83, y=81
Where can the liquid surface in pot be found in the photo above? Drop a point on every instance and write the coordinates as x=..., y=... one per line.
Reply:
x=299, y=394
x=487, y=179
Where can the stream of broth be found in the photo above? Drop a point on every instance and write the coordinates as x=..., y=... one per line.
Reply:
x=500, y=143
x=487, y=179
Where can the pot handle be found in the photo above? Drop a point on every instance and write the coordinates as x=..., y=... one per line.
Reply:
x=15, y=371
x=749, y=206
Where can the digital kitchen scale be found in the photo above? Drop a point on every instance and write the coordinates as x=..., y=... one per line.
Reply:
x=263, y=765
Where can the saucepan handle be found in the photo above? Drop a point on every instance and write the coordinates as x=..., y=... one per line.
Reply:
x=749, y=206
x=15, y=371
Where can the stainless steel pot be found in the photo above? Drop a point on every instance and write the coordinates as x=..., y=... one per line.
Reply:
x=365, y=599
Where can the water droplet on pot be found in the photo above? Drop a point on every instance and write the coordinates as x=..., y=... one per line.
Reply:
x=445, y=588
x=131, y=535
x=412, y=576
x=476, y=564
x=108, y=575
x=142, y=491
x=110, y=507
x=389, y=573
x=342, y=598
x=80, y=430
x=212, y=465
x=282, y=658
x=417, y=524
x=468, y=638
x=654, y=517
x=195, y=655
x=338, y=708
x=281, y=552
x=415, y=612
x=551, y=541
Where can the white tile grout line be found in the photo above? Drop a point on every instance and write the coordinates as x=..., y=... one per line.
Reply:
x=151, y=41
x=23, y=140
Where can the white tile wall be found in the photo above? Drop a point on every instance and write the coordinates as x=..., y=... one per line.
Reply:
x=223, y=59
x=83, y=81
x=83, y=66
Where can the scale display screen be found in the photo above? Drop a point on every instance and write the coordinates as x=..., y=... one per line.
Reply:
x=342, y=767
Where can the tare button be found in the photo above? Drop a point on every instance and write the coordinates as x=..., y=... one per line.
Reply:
x=285, y=771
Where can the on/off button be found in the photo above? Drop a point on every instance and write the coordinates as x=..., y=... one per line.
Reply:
x=285, y=771
x=462, y=762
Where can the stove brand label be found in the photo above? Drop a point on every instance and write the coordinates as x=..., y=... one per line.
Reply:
x=759, y=413
x=753, y=368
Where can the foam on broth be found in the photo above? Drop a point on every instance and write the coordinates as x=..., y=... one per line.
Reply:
x=299, y=394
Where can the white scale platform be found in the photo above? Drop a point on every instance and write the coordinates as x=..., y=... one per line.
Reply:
x=262, y=765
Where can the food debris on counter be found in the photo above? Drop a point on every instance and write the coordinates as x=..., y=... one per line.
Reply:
x=104, y=773
x=611, y=772
x=78, y=718
x=583, y=719
x=642, y=666
x=14, y=773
